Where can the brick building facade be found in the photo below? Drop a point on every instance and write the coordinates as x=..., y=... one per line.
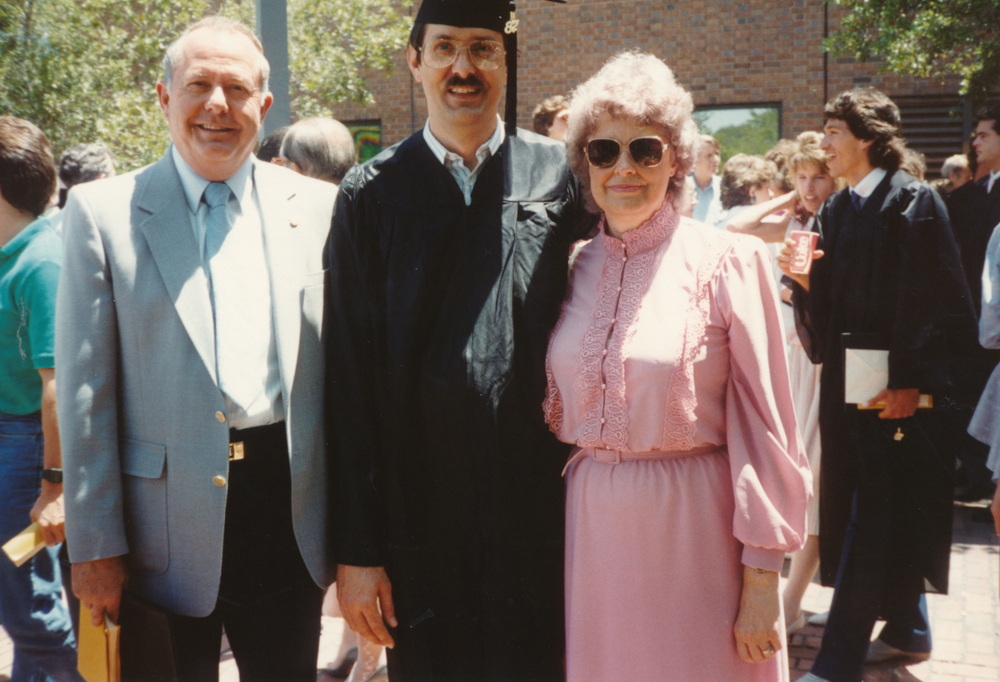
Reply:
x=726, y=52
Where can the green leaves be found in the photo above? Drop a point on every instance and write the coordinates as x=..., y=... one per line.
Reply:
x=926, y=38
x=86, y=70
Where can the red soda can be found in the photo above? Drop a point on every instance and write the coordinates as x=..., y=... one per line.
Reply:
x=805, y=244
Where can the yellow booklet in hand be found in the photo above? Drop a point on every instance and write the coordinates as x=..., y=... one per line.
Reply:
x=24, y=545
x=97, y=649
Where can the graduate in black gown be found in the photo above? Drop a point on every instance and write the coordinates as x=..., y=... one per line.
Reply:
x=891, y=277
x=448, y=264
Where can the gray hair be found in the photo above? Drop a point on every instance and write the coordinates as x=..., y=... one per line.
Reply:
x=321, y=147
x=641, y=88
x=954, y=163
x=222, y=25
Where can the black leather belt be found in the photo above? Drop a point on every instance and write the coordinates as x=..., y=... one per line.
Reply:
x=244, y=442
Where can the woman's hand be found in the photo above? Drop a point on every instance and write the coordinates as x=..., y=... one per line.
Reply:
x=757, y=623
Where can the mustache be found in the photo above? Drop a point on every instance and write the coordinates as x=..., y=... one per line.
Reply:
x=470, y=81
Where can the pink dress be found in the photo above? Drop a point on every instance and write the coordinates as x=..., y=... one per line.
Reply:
x=667, y=370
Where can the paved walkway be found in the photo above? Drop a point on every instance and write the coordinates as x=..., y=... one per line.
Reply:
x=965, y=623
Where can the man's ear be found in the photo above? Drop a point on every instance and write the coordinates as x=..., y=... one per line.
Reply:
x=162, y=96
x=413, y=61
x=265, y=105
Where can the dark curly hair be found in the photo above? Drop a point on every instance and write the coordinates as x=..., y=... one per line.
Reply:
x=871, y=115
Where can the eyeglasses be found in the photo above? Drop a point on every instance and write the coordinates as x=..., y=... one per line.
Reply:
x=644, y=151
x=487, y=55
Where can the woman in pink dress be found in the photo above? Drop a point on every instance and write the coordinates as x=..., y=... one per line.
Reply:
x=667, y=371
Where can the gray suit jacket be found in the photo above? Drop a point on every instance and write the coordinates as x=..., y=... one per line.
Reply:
x=137, y=400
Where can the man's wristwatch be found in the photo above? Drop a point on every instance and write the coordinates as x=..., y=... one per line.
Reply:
x=52, y=475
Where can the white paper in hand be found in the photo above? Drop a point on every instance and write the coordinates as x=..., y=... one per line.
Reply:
x=866, y=373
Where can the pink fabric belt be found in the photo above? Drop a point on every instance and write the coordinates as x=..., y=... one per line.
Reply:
x=617, y=456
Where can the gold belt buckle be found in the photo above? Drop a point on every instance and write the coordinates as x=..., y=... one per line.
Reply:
x=235, y=451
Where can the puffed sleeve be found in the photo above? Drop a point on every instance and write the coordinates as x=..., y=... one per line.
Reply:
x=770, y=473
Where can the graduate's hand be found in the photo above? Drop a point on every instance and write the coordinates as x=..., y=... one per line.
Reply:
x=756, y=628
x=98, y=584
x=899, y=403
x=365, y=597
x=784, y=260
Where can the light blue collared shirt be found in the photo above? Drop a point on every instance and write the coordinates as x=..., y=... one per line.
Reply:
x=707, y=205
x=194, y=187
x=247, y=222
x=465, y=178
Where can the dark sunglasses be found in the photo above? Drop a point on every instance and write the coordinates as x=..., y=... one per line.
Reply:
x=644, y=151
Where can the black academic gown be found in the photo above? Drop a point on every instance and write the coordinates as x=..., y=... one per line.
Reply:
x=967, y=212
x=893, y=272
x=438, y=317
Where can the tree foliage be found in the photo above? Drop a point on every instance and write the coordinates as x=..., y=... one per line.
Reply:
x=926, y=38
x=330, y=39
x=756, y=135
x=86, y=70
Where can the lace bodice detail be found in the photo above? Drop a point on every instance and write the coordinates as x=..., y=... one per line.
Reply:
x=599, y=381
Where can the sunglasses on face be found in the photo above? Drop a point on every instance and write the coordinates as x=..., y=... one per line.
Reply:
x=646, y=152
x=487, y=55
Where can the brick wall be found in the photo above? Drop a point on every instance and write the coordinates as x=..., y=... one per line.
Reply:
x=725, y=52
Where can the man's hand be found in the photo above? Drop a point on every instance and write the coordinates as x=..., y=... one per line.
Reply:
x=899, y=403
x=98, y=584
x=756, y=628
x=365, y=596
x=49, y=515
x=784, y=260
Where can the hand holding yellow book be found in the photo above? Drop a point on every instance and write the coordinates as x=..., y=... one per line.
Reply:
x=97, y=651
x=24, y=545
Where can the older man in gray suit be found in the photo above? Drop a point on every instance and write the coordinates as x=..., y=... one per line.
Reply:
x=189, y=384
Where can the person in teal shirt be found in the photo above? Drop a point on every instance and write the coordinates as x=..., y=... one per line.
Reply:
x=31, y=606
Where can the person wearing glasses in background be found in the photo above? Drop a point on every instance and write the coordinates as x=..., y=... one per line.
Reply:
x=448, y=263
x=688, y=482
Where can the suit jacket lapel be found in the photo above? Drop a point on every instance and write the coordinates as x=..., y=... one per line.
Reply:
x=170, y=237
x=282, y=247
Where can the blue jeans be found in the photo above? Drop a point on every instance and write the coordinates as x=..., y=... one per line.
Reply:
x=32, y=610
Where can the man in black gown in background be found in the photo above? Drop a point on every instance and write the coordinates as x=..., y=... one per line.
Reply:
x=891, y=278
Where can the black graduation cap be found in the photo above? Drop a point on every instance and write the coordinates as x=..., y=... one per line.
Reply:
x=495, y=15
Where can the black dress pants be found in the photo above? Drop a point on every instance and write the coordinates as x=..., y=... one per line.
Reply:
x=268, y=604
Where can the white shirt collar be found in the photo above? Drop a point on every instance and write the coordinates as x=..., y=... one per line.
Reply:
x=449, y=158
x=992, y=179
x=241, y=182
x=868, y=184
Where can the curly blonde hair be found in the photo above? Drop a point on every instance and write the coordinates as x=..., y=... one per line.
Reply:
x=637, y=87
x=741, y=175
x=808, y=151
